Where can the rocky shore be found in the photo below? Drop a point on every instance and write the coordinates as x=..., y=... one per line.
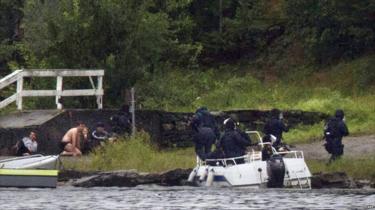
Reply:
x=178, y=177
x=124, y=178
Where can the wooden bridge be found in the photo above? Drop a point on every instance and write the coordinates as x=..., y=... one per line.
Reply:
x=19, y=75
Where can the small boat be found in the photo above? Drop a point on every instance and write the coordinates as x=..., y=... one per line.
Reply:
x=31, y=162
x=28, y=178
x=283, y=169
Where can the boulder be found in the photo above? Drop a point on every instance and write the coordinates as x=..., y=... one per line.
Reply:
x=131, y=178
x=127, y=178
x=363, y=183
x=174, y=177
x=66, y=175
x=332, y=180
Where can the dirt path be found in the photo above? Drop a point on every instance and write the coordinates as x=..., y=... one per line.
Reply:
x=354, y=147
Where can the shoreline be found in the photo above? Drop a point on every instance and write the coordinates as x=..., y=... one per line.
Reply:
x=178, y=177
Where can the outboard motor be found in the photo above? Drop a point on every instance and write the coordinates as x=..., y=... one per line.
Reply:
x=275, y=171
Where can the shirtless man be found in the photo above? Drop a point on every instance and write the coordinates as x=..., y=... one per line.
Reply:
x=70, y=143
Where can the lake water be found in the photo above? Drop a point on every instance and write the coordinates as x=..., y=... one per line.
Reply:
x=156, y=197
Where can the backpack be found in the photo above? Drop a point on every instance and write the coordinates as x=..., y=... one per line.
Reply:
x=332, y=128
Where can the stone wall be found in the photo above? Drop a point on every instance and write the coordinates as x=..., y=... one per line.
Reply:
x=167, y=129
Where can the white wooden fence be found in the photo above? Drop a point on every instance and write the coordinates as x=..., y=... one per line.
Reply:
x=18, y=75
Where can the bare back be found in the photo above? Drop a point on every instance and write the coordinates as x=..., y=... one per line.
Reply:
x=70, y=135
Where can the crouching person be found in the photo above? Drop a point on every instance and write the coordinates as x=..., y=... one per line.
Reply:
x=27, y=146
x=70, y=144
x=99, y=136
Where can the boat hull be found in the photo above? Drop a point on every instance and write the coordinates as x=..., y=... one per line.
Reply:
x=28, y=178
x=253, y=173
x=31, y=162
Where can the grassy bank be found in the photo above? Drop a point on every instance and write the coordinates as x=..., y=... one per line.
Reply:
x=137, y=153
x=134, y=153
x=235, y=87
x=361, y=168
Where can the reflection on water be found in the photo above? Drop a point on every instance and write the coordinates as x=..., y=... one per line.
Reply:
x=156, y=197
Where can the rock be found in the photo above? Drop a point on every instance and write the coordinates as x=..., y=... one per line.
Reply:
x=175, y=177
x=182, y=126
x=363, y=183
x=131, y=178
x=167, y=126
x=127, y=178
x=332, y=180
x=66, y=175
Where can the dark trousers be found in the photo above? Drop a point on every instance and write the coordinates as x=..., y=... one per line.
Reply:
x=21, y=148
x=336, y=149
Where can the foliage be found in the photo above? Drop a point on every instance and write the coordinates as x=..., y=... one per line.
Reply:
x=126, y=38
x=10, y=15
x=322, y=92
x=182, y=54
x=334, y=29
x=358, y=168
x=135, y=153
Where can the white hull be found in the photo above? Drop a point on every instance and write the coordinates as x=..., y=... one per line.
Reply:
x=31, y=162
x=252, y=173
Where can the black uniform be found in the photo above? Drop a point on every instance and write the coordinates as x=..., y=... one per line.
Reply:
x=334, y=130
x=121, y=123
x=233, y=144
x=203, y=137
x=207, y=120
x=275, y=127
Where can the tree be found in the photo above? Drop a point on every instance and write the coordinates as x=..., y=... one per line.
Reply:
x=10, y=16
x=127, y=38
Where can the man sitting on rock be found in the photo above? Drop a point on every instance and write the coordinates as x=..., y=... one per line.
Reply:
x=27, y=146
x=70, y=144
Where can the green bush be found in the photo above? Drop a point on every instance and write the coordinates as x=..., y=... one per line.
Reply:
x=135, y=153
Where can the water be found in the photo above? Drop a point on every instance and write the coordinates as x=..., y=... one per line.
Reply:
x=156, y=197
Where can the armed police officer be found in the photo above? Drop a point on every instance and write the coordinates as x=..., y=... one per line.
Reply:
x=275, y=127
x=203, y=138
x=233, y=142
x=207, y=120
x=334, y=130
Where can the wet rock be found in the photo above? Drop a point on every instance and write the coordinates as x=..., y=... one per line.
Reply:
x=363, y=183
x=175, y=177
x=332, y=180
x=66, y=175
x=131, y=178
x=128, y=178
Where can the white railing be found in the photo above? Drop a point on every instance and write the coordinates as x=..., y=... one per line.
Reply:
x=18, y=75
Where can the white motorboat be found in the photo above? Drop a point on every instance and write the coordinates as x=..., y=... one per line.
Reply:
x=283, y=169
x=31, y=162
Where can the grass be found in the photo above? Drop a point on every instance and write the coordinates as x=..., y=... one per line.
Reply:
x=137, y=153
x=134, y=153
x=324, y=90
x=360, y=168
